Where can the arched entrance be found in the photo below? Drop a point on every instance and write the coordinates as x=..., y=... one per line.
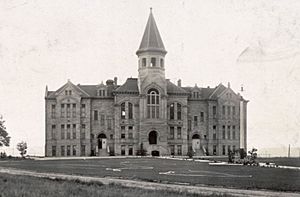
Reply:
x=101, y=139
x=155, y=153
x=153, y=137
x=195, y=142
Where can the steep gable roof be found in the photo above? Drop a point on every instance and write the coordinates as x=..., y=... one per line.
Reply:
x=130, y=86
x=174, y=89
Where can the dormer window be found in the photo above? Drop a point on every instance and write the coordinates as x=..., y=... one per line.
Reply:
x=153, y=61
x=196, y=94
x=144, y=62
x=101, y=93
x=162, y=63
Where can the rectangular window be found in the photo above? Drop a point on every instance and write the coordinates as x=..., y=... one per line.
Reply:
x=130, y=132
x=83, y=112
x=62, y=131
x=82, y=132
x=179, y=150
x=102, y=120
x=62, y=151
x=62, y=110
x=123, y=112
x=172, y=149
x=122, y=132
x=53, y=132
x=178, y=132
x=214, y=132
x=74, y=131
x=109, y=123
x=233, y=132
x=195, y=121
x=228, y=132
x=228, y=149
x=68, y=131
x=202, y=116
x=74, y=150
x=53, y=111
x=214, y=150
x=189, y=125
x=68, y=110
x=223, y=150
x=144, y=63
x=74, y=110
x=68, y=150
x=130, y=150
x=172, y=111
x=214, y=111
x=228, y=111
x=54, y=151
x=223, y=132
x=223, y=110
x=153, y=61
x=95, y=115
x=178, y=111
x=233, y=110
x=130, y=111
x=82, y=150
x=171, y=132
x=122, y=149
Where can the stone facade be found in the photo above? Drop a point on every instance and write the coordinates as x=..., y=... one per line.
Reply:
x=148, y=112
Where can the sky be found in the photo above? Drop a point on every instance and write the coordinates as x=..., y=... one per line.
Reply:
x=254, y=44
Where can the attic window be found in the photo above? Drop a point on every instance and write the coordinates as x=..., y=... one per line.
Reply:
x=153, y=61
x=196, y=94
x=101, y=92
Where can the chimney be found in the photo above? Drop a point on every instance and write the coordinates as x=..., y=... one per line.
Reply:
x=179, y=82
x=116, y=80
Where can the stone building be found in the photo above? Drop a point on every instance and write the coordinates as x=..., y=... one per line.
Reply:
x=149, y=112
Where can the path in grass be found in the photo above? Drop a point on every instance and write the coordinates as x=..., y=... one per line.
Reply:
x=149, y=186
x=170, y=171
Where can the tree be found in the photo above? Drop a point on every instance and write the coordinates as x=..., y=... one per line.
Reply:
x=4, y=138
x=22, y=147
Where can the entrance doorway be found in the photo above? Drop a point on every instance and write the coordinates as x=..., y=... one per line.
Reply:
x=153, y=137
x=102, y=141
x=196, y=142
x=155, y=153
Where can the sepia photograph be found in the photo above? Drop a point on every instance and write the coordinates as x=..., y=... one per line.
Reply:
x=149, y=98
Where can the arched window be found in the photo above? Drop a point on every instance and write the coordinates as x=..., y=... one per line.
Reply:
x=153, y=61
x=196, y=136
x=123, y=113
x=178, y=111
x=153, y=137
x=130, y=111
x=153, y=104
x=172, y=111
x=144, y=63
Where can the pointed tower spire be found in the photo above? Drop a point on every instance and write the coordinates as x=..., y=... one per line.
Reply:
x=151, y=40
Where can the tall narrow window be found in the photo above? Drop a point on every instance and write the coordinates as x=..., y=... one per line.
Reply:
x=102, y=119
x=223, y=132
x=144, y=63
x=82, y=150
x=54, y=151
x=189, y=125
x=74, y=110
x=109, y=123
x=223, y=110
x=68, y=110
x=122, y=132
x=162, y=63
x=228, y=132
x=62, y=131
x=82, y=132
x=233, y=110
x=74, y=131
x=171, y=132
x=179, y=150
x=74, y=150
x=68, y=150
x=178, y=132
x=228, y=111
x=62, y=110
x=95, y=115
x=195, y=121
x=178, y=111
x=172, y=111
x=53, y=132
x=153, y=61
x=62, y=151
x=68, y=131
x=153, y=104
x=83, y=112
x=233, y=132
x=130, y=150
x=122, y=149
x=223, y=150
x=214, y=132
x=214, y=149
x=130, y=132
x=130, y=111
x=228, y=149
x=214, y=111
x=123, y=113
x=202, y=116
x=53, y=111
x=172, y=149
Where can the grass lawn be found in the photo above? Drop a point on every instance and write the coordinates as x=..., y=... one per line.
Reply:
x=170, y=171
x=11, y=185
